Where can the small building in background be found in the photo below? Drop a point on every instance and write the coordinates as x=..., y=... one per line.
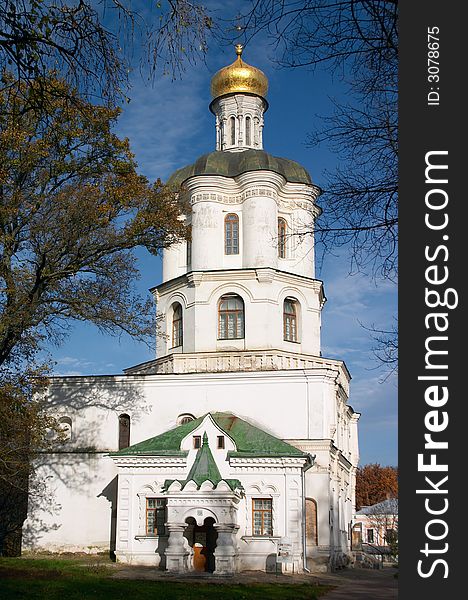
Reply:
x=375, y=529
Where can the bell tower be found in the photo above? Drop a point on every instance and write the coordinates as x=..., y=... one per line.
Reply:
x=242, y=295
x=238, y=92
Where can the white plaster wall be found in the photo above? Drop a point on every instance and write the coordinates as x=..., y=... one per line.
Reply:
x=260, y=232
x=76, y=511
x=155, y=401
x=207, y=235
x=174, y=261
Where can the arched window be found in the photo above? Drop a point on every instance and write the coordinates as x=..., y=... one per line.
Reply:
x=311, y=522
x=177, y=326
x=232, y=122
x=124, y=431
x=248, y=131
x=65, y=429
x=231, y=234
x=290, y=320
x=185, y=418
x=230, y=318
x=282, y=238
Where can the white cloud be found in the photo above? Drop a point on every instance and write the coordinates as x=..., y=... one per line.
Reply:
x=72, y=365
x=371, y=392
x=164, y=122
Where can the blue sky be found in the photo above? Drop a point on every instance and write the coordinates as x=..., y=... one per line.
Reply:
x=169, y=125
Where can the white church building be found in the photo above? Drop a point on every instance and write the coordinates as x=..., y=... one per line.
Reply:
x=237, y=440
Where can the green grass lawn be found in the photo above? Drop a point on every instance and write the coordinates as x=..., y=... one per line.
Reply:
x=69, y=579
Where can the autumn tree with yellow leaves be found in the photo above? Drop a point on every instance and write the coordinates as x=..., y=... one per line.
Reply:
x=72, y=210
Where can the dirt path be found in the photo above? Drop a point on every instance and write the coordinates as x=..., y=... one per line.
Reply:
x=362, y=584
x=351, y=584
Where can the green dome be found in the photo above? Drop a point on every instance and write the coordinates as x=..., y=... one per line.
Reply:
x=231, y=164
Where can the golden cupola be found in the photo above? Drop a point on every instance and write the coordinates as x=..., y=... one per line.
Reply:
x=239, y=78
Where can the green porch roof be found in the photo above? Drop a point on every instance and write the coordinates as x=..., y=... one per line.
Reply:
x=204, y=467
x=232, y=164
x=249, y=440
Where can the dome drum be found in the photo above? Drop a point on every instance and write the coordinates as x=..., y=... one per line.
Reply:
x=239, y=121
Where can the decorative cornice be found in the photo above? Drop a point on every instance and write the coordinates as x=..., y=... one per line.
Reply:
x=194, y=278
x=230, y=199
x=253, y=184
x=311, y=446
x=150, y=461
x=270, y=462
x=244, y=361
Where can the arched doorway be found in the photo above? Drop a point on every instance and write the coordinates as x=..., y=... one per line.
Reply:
x=202, y=538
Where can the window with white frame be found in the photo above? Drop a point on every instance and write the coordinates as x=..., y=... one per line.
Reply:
x=290, y=307
x=177, y=325
x=282, y=227
x=155, y=516
x=231, y=234
x=262, y=516
x=230, y=317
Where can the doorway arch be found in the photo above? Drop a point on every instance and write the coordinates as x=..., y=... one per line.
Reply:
x=202, y=539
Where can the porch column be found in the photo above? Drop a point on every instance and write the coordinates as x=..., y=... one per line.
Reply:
x=226, y=548
x=176, y=553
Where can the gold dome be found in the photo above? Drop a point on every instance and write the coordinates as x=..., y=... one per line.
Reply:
x=239, y=77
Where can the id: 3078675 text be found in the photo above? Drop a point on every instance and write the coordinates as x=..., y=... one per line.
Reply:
x=433, y=66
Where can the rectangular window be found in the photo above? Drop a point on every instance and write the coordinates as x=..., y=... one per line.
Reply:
x=391, y=536
x=370, y=536
x=248, y=135
x=197, y=441
x=290, y=320
x=231, y=326
x=220, y=442
x=262, y=518
x=189, y=254
x=177, y=332
x=155, y=516
x=281, y=238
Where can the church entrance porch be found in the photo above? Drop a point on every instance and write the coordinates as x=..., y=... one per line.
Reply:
x=202, y=539
x=201, y=542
